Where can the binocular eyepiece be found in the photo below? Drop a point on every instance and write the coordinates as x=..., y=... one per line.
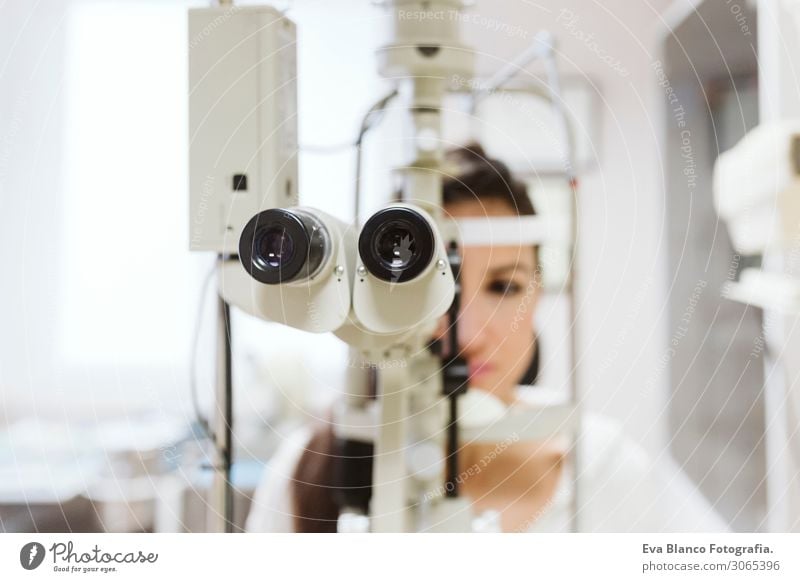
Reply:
x=311, y=271
x=396, y=244
x=283, y=246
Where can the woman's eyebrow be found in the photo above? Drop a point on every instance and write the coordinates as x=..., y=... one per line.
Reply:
x=520, y=266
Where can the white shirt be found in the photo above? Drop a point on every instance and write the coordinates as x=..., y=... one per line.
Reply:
x=621, y=489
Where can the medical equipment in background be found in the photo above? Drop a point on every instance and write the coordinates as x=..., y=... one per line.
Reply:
x=380, y=286
x=757, y=193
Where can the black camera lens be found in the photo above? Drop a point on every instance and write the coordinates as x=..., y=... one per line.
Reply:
x=396, y=244
x=281, y=246
x=275, y=248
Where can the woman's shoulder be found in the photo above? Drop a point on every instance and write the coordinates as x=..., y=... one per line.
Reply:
x=271, y=509
x=639, y=490
x=602, y=438
x=621, y=487
x=605, y=444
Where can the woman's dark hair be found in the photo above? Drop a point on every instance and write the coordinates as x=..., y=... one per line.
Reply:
x=470, y=175
x=474, y=176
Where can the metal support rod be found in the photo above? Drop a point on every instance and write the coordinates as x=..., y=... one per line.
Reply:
x=367, y=123
x=220, y=515
x=451, y=478
x=541, y=46
x=557, y=103
x=456, y=377
x=389, y=503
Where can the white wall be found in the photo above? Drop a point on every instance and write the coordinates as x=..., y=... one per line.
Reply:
x=31, y=117
x=99, y=291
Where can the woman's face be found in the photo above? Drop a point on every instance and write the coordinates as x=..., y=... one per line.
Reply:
x=499, y=292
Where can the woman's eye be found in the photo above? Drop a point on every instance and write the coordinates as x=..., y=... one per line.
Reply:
x=505, y=288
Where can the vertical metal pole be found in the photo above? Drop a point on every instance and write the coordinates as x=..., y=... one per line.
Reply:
x=388, y=508
x=456, y=377
x=556, y=97
x=220, y=515
x=777, y=405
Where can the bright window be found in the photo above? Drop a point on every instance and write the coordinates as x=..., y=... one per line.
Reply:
x=129, y=284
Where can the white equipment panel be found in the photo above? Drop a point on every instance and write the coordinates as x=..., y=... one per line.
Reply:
x=242, y=120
